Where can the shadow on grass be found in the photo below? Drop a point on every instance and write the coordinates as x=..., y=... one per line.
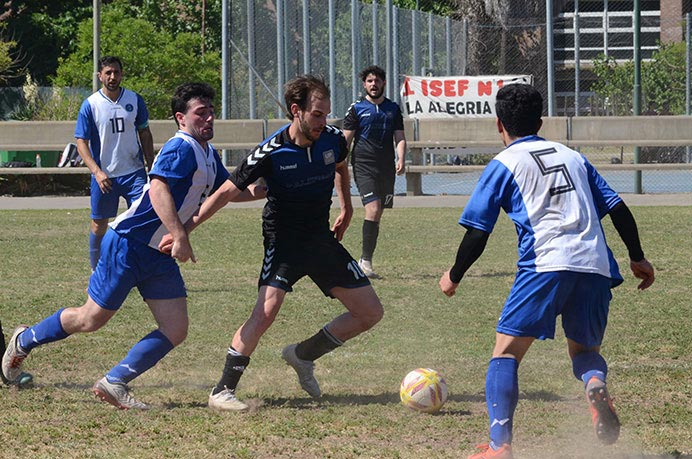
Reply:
x=388, y=398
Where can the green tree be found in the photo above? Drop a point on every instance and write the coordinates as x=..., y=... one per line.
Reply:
x=155, y=61
x=663, y=82
x=44, y=30
x=8, y=60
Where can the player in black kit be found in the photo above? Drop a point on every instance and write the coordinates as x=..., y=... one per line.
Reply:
x=376, y=127
x=301, y=164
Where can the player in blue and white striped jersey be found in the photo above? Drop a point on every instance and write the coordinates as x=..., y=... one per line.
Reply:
x=186, y=171
x=556, y=200
x=114, y=141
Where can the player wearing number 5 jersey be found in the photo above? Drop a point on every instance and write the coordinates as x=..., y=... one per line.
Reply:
x=556, y=200
x=114, y=140
x=301, y=164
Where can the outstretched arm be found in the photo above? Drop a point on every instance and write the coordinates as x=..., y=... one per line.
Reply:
x=471, y=247
x=626, y=226
x=226, y=193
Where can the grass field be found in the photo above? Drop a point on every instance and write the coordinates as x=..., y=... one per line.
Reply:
x=648, y=346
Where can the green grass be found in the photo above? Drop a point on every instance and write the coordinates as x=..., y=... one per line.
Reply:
x=45, y=266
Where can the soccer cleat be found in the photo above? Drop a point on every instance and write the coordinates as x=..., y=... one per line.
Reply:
x=13, y=358
x=504, y=452
x=226, y=401
x=304, y=368
x=117, y=394
x=605, y=420
x=366, y=267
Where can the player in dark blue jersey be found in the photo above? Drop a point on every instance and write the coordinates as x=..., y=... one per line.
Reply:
x=556, y=200
x=184, y=173
x=301, y=165
x=376, y=127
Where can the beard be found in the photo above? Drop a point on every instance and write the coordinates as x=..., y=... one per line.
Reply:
x=376, y=93
x=307, y=131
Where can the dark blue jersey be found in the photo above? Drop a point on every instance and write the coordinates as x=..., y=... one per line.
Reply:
x=374, y=126
x=300, y=181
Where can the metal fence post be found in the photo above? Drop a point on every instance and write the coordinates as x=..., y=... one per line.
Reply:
x=688, y=79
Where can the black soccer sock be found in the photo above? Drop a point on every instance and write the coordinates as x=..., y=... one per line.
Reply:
x=232, y=370
x=371, y=231
x=317, y=345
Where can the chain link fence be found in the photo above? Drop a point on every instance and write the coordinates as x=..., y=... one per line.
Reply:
x=592, y=41
x=588, y=71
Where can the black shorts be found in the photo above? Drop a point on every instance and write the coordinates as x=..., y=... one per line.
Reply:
x=375, y=182
x=323, y=259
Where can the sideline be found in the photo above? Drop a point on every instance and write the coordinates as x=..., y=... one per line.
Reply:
x=82, y=202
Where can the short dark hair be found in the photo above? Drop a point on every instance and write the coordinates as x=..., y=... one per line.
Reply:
x=519, y=108
x=109, y=61
x=298, y=90
x=188, y=91
x=375, y=70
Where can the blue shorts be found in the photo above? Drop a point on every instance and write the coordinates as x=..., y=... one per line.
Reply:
x=125, y=264
x=105, y=205
x=536, y=299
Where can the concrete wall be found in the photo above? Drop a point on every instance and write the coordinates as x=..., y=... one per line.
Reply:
x=467, y=132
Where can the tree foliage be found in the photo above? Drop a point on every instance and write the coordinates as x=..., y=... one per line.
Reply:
x=663, y=82
x=9, y=63
x=155, y=61
x=43, y=31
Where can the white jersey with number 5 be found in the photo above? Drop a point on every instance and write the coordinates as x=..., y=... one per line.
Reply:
x=111, y=129
x=556, y=200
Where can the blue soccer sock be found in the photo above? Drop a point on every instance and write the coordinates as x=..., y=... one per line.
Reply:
x=94, y=249
x=501, y=395
x=143, y=355
x=587, y=365
x=48, y=330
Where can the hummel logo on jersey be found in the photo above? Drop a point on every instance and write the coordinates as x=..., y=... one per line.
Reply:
x=500, y=422
x=289, y=166
x=332, y=130
x=262, y=151
x=280, y=279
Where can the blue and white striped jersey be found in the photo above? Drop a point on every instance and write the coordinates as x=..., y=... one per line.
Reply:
x=192, y=174
x=111, y=129
x=556, y=200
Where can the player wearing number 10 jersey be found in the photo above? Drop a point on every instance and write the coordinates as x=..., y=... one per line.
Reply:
x=302, y=164
x=114, y=140
x=556, y=200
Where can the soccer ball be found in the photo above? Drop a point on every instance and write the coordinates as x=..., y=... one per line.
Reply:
x=424, y=390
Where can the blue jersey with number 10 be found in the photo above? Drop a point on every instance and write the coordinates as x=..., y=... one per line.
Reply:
x=556, y=200
x=111, y=129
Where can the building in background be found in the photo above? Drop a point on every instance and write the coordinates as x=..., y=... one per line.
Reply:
x=585, y=29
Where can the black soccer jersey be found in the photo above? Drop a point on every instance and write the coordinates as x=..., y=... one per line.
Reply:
x=300, y=181
x=374, y=126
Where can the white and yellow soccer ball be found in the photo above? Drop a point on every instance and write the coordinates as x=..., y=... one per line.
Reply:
x=423, y=389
